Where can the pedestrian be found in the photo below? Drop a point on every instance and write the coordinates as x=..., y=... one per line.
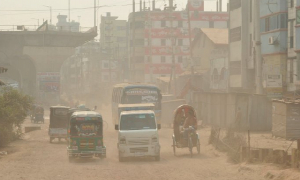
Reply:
x=238, y=119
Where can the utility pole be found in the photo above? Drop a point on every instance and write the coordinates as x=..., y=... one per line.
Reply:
x=257, y=44
x=132, y=60
x=95, y=13
x=69, y=11
x=190, y=41
x=150, y=44
x=173, y=41
x=50, y=8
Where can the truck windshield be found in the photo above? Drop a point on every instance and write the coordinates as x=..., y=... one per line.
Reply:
x=137, y=122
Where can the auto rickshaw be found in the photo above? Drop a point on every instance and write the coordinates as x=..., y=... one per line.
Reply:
x=59, y=117
x=180, y=140
x=85, y=134
x=39, y=115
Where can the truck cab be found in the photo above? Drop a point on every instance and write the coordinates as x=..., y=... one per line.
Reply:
x=138, y=135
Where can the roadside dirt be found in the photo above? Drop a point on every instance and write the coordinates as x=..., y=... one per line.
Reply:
x=34, y=158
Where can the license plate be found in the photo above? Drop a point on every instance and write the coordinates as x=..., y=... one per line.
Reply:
x=139, y=154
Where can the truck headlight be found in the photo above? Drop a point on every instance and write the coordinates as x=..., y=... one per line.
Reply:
x=154, y=139
x=122, y=140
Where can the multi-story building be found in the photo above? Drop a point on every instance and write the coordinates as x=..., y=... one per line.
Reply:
x=64, y=25
x=293, y=45
x=273, y=39
x=159, y=39
x=113, y=37
x=241, y=65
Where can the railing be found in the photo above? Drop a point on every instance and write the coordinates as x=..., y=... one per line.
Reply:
x=50, y=28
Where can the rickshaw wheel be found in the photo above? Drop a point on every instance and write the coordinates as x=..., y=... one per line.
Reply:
x=174, y=146
x=190, y=143
x=198, y=145
x=157, y=158
x=121, y=159
x=71, y=158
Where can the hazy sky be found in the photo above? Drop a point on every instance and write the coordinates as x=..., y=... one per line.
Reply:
x=10, y=14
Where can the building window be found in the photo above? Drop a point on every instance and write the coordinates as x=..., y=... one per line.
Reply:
x=250, y=18
x=163, y=59
x=163, y=23
x=203, y=42
x=180, y=42
x=291, y=34
x=267, y=24
x=291, y=3
x=251, y=45
x=211, y=24
x=298, y=16
x=163, y=42
x=196, y=14
x=179, y=59
x=283, y=21
x=180, y=23
x=291, y=71
x=149, y=59
x=292, y=42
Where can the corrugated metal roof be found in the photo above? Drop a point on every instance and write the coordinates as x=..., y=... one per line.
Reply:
x=217, y=36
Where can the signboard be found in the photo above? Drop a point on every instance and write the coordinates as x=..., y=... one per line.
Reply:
x=235, y=34
x=179, y=50
x=274, y=81
x=49, y=81
x=139, y=91
x=162, y=68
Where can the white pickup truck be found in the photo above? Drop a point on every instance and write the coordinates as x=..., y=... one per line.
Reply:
x=138, y=135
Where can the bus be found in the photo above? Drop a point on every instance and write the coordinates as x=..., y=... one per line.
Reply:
x=127, y=93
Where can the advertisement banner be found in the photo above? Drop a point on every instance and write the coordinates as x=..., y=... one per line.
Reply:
x=49, y=81
x=163, y=51
x=162, y=68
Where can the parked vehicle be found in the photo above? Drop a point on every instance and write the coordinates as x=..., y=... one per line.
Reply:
x=127, y=93
x=59, y=118
x=39, y=115
x=138, y=135
x=184, y=137
x=85, y=133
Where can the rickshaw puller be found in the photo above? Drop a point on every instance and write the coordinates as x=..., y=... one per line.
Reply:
x=189, y=121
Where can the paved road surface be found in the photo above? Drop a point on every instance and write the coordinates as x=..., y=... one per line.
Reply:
x=34, y=158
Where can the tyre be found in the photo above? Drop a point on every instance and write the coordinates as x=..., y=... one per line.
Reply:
x=51, y=139
x=157, y=158
x=71, y=159
x=174, y=146
x=198, y=145
x=121, y=159
x=190, y=145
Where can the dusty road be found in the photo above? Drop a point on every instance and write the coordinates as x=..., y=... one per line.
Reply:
x=34, y=158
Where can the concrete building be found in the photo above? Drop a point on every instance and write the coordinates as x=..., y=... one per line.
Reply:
x=157, y=34
x=274, y=38
x=241, y=61
x=64, y=25
x=210, y=55
x=113, y=37
x=293, y=45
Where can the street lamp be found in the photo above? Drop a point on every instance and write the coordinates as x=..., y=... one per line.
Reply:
x=50, y=8
x=37, y=21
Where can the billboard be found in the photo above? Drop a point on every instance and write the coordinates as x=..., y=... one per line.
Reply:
x=49, y=81
x=162, y=68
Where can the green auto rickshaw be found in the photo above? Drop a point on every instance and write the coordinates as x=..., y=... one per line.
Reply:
x=85, y=133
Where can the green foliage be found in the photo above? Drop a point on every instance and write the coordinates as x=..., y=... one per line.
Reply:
x=13, y=110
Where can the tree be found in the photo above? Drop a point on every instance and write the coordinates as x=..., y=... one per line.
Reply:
x=13, y=110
